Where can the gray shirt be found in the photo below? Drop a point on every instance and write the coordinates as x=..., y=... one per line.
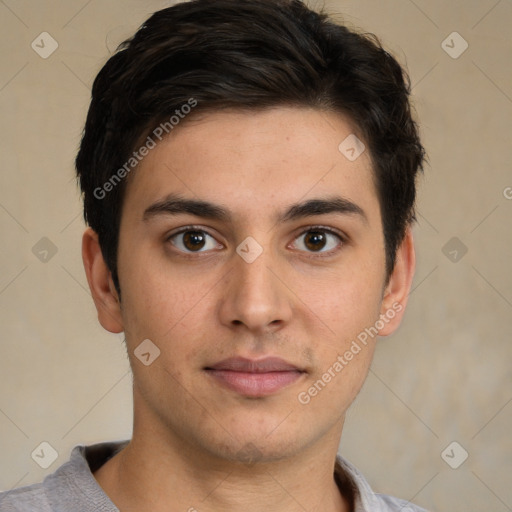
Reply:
x=73, y=488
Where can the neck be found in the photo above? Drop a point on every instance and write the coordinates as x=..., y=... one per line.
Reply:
x=150, y=474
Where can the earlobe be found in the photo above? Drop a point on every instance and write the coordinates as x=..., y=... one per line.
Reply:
x=398, y=288
x=100, y=282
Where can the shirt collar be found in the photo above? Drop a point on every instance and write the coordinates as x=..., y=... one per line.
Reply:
x=350, y=481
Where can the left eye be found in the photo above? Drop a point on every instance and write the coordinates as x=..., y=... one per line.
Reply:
x=193, y=240
x=318, y=240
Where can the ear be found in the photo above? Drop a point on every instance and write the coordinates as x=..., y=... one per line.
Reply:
x=101, y=284
x=398, y=288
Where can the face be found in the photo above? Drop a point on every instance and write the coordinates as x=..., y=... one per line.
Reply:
x=251, y=255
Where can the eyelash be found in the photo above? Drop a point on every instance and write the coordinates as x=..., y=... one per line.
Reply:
x=322, y=229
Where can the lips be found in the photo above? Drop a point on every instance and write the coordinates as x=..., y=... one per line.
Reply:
x=254, y=378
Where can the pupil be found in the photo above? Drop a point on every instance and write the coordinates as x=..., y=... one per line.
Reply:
x=315, y=240
x=194, y=240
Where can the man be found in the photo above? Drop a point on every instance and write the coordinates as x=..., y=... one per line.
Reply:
x=248, y=171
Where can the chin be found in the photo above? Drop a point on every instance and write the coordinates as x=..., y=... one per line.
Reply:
x=257, y=452
x=260, y=445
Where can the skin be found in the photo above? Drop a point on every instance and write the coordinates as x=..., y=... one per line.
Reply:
x=192, y=437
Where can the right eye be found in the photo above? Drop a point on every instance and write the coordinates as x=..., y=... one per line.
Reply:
x=192, y=240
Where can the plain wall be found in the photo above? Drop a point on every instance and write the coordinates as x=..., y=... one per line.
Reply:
x=444, y=376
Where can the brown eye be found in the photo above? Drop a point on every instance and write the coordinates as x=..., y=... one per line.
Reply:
x=315, y=240
x=319, y=240
x=193, y=240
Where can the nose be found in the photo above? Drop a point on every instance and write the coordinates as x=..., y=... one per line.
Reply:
x=256, y=296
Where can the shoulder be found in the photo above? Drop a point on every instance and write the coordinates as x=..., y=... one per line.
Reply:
x=366, y=500
x=392, y=504
x=25, y=499
x=71, y=486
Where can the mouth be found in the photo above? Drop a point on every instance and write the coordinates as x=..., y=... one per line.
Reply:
x=254, y=378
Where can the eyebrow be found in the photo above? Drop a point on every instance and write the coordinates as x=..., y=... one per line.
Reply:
x=174, y=205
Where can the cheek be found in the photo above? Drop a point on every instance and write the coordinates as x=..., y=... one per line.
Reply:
x=343, y=313
x=342, y=346
x=346, y=302
x=155, y=294
x=173, y=310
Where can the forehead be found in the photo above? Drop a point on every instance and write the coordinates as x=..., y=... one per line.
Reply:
x=256, y=162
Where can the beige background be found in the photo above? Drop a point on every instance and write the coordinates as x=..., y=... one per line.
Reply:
x=444, y=376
